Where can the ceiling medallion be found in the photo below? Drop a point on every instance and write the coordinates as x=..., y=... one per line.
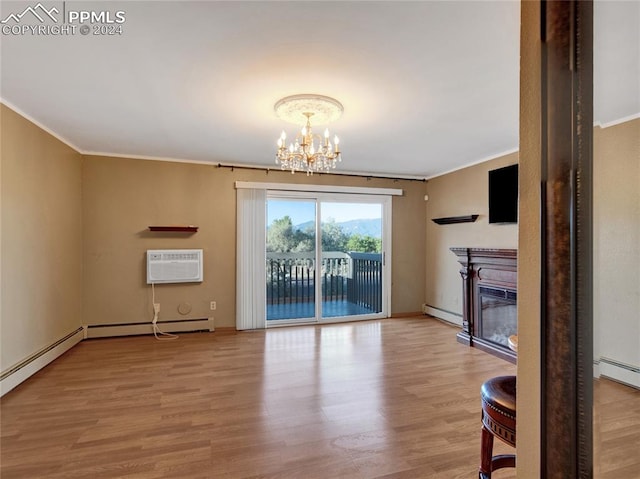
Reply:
x=308, y=152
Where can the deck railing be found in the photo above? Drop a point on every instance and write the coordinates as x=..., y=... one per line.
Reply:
x=354, y=277
x=364, y=284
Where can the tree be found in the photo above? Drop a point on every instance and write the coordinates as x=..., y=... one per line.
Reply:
x=305, y=241
x=283, y=238
x=364, y=244
x=280, y=236
x=333, y=236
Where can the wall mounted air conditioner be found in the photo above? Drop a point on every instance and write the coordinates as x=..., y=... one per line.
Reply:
x=174, y=266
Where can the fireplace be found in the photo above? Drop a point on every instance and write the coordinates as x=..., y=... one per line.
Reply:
x=497, y=314
x=489, y=299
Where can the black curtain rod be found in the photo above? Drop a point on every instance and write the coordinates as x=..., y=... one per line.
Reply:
x=355, y=175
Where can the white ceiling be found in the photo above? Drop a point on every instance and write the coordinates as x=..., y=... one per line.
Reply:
x=427, y=87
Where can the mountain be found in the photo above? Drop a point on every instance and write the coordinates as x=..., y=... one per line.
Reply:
x=304, y=226
x=365, y=227
x=368, y=227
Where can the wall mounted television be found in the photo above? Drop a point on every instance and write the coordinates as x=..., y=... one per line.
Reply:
x=503, y=195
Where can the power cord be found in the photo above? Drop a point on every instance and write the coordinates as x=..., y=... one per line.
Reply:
x=159, y=335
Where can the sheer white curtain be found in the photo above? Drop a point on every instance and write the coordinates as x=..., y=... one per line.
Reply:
x=251, y=257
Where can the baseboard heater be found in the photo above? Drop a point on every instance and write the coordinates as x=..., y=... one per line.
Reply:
x=618, y=371
x=21, y=371
x=443, y=314
x=134, y=329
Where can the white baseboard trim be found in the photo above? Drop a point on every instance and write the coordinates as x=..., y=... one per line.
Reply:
x=621, y=372
x=133, y=329
x=26, y=368
x=447, y=316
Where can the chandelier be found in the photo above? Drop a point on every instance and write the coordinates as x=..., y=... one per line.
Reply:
x=308, y=151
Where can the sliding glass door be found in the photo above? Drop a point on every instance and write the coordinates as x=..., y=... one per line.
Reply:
x=351, y=258
x=325, y=257
x=291, y=259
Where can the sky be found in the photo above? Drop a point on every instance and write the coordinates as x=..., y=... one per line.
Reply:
x=301, y=211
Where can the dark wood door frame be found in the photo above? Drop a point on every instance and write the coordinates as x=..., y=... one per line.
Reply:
x=566, y=213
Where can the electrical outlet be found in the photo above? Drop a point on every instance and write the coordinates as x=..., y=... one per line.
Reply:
x=212, y=305
x=156, y=307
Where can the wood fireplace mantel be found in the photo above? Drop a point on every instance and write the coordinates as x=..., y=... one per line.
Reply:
x=485, y=269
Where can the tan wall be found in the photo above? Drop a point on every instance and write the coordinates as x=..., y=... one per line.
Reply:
x=529, y=261
x=616, y=208
x=122, y=197
x=41, y=239
x=462, y=192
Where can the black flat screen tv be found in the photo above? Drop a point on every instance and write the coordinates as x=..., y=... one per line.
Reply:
x=503, y=195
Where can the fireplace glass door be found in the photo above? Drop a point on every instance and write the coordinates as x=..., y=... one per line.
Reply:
x=498, y=315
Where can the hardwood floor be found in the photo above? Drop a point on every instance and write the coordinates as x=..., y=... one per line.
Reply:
x=396, y=398
x=616, y=431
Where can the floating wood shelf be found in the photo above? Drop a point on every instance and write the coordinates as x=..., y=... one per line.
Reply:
x=455, y=219
x=179, y=228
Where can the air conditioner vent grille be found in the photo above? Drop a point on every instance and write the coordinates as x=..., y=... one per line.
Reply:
x=174, y=266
